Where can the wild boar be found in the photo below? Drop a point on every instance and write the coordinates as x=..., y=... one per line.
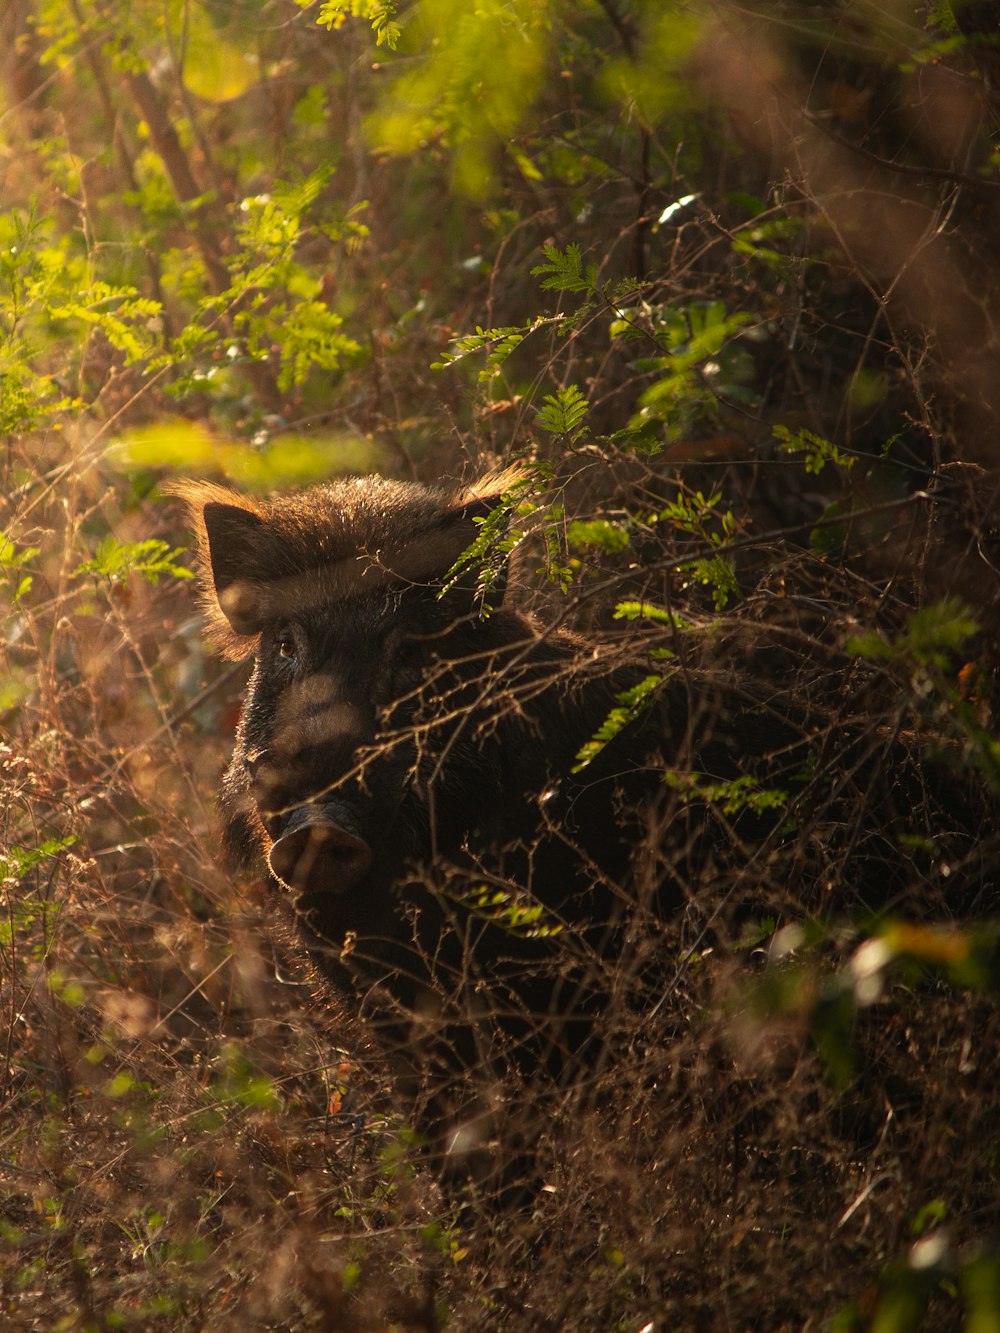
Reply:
x=405, y=767
x=388, y=724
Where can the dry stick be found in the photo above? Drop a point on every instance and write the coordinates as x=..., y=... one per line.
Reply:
x=21, y=73
x=641, y=225
x=9, y=1044
x=900, y=168
x=205, y=227
x=168, y=146
x=462, y=719
x=462, y=715
x=171, y=722
x=123, y=151
x=196, y=989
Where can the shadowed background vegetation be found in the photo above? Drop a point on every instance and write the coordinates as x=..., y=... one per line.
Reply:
x=728, y=276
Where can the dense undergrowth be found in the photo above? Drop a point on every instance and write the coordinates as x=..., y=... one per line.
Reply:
x=728, y=277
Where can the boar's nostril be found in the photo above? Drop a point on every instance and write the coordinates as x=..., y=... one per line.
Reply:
x=319, y=857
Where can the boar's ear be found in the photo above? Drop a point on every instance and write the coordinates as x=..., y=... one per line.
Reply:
x=229, y=530
x=429, y=558
x=233, y=535
x=475, y=510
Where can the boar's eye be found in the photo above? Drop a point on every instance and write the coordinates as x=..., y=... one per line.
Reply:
x=405, y=657
x=409, y=654
x=284, y=641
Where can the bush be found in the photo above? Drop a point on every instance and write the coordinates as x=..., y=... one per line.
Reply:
x=727, y=277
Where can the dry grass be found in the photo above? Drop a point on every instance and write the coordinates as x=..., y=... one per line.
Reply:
x=194, y=1134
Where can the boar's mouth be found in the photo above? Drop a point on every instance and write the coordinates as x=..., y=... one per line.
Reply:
x=316, y=854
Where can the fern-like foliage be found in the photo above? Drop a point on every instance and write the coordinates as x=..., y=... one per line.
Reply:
x=564, y=412
x=564, y=271
x=816, y=452
x=498, y=343
x=496, y=538
x=150, y=559
x=731, y=797
x=333, y=14
x=630, y=703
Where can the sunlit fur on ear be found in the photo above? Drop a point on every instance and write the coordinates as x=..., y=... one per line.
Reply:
x=481, y=499
x=195, y=496
x=489, y=489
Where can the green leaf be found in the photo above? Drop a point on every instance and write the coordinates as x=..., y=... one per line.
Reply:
x=151, y=558
x=515, y=912
x=498, y=342
x=19, y=860
x=630, y=703
x=564, y=271
x=817, y=451
x=610, y=537
x=564, y=412
x=731, y=796
x=496, y=538
x=980, y=1280
x=933, y=634
x=649, y=611
x=11, y=557
x=382, y=15
x=214, y=69
x=290, y=460
x=718, y=573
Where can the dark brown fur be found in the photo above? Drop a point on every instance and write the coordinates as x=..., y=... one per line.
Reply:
x=403, y=764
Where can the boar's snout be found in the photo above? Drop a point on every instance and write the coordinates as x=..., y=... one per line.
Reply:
x=316, y=855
